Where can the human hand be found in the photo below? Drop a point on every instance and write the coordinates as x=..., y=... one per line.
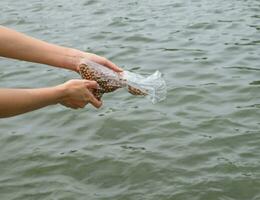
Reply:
x=77, y=94
x=20, y=46
x=100, y=60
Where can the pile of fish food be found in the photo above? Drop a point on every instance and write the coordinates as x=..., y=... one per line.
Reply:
x=106, y=84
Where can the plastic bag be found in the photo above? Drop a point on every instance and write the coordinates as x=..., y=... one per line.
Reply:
x=153, y=86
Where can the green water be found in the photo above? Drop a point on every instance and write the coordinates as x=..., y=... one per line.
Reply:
x=201, y=143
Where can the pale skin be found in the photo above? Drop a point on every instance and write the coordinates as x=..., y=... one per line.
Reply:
x=74, y=93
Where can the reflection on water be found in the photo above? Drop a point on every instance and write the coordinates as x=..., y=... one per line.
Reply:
x=202, y=142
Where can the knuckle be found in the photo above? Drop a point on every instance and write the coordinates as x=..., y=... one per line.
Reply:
x=104, y=60
x=85, y=98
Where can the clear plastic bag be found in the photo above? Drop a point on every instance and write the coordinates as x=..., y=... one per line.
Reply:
x=153, y=86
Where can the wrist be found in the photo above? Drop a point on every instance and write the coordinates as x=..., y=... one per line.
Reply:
x=62, y=93
x=72, y=59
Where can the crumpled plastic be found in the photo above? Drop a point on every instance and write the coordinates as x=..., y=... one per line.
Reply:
x=153, y=87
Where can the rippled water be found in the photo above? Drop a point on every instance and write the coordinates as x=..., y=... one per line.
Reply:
x=203, y=142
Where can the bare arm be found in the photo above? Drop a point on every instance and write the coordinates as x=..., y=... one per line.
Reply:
x=74, y=94
x=20, y=46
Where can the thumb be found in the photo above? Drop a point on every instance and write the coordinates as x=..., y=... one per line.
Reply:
x=92, y=84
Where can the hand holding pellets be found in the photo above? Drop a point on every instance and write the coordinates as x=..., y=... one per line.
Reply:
x=152, y=86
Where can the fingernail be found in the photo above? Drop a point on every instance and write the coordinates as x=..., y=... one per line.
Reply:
x=98, y=86
x=100, y=104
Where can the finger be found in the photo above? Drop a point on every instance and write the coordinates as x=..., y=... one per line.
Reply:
x=66, y=104
x=81, y=104
x=96, y=103
x=78, y=103
x=91, y=84
x=72, y=105
x=112, y=66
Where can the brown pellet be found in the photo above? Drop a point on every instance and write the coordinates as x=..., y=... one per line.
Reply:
x=106, y=85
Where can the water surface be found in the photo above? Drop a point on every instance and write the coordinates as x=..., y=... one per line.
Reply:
x=202, y=142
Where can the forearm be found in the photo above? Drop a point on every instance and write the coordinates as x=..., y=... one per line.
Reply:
x=19, y=46
x=18, y=101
